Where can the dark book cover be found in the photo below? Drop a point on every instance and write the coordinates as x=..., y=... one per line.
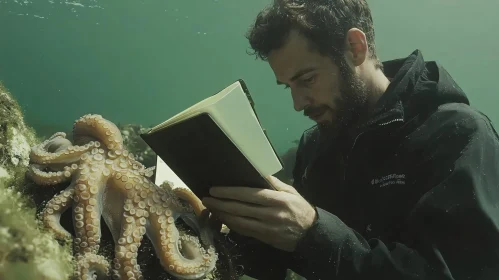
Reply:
x=202, y=156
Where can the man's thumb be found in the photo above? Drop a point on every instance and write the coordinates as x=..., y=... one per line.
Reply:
x=281, y=186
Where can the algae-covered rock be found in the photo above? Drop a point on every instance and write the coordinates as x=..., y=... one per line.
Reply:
x=27, y=251
x=16, y=138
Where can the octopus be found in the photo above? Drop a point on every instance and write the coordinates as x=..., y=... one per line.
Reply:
x=106, y=181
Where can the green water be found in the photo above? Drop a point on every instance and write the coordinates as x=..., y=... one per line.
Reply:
x=141, y=62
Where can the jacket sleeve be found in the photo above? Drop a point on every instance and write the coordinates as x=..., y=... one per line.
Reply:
x=454, y=225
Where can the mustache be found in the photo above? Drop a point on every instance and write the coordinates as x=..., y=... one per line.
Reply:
x=312, y=111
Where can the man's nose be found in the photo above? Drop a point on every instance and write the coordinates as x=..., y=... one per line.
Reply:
x=299, y=100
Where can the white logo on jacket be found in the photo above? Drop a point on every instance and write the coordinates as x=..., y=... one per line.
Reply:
x=392, y=179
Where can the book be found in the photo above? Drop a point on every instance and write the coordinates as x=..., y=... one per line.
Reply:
x=218, y=141
x=165, y=173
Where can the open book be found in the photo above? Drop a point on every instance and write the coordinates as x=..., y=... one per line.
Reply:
x=218, y=141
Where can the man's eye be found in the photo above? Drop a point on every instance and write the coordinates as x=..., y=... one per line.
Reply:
x=309, y=80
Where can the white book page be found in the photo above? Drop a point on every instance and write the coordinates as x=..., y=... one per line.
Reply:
x=165, y=173
x=196, y=108
x=235, y=116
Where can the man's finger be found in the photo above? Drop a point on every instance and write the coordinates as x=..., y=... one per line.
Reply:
x=281, y=186
x=243, y=225
x=238, y=208
x=249, y=227
x=246, y=194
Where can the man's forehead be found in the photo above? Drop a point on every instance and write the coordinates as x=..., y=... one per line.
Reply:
x=289, y=67
x=294, y=75
x=294, y=58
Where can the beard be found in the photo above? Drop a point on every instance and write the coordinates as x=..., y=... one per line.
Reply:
x=351, y=106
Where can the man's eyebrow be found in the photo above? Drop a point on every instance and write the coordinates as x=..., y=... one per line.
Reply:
x=299, y=74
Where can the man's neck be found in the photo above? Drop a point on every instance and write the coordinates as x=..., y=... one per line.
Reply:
x=378, y=83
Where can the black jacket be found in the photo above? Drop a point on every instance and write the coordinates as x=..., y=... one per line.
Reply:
x=414, y=194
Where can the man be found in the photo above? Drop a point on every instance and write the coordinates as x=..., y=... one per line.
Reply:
x=398, y=179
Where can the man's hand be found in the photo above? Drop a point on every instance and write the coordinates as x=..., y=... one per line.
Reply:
x=279, y=218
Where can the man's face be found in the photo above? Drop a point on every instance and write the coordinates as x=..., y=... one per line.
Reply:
x=331, y=95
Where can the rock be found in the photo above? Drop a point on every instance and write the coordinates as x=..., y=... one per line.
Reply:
x=16, y=139
x=27, y=251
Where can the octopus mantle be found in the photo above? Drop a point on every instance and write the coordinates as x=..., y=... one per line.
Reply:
x=106, y=180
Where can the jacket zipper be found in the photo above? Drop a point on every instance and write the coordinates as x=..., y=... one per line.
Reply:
x=355, y=141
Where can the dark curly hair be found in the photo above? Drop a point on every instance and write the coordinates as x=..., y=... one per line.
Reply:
x=324, y=22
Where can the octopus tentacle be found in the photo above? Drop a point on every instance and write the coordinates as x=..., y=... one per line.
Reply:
x=90, y=264
x=197, y=260
x=190, y=246
x=57, y=144
x=51, y=214
x=137, y=165
x=87, y=217
x=148, y=172
x=199, y=220
x=180, y=199
x=67, y=156
x=49, y=142
x=99, y=128
x=204, y=227
x=58, y=150
x=35, y=172
x=188, y=196
x=125, y=261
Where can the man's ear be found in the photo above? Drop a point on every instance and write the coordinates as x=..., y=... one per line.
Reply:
x=356, y=46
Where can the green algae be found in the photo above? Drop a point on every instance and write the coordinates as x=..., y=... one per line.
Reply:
x=27, y=249
x=16, y=138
